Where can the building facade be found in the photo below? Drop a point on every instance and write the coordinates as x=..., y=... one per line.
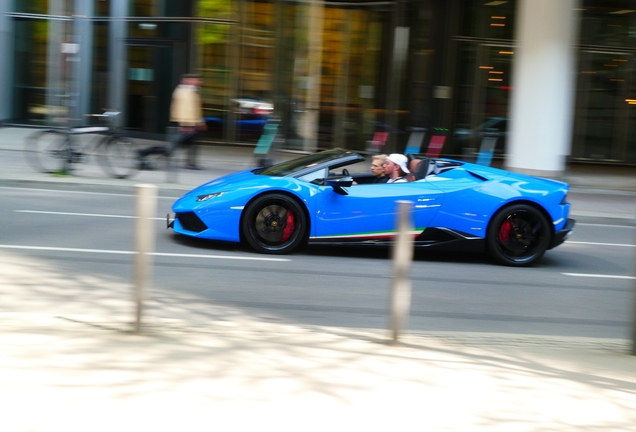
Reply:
x=338, y=71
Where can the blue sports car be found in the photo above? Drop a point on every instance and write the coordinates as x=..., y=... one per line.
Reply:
x=315, y=199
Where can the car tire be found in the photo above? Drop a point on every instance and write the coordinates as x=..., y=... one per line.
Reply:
x=274, y=224
x=518, y=235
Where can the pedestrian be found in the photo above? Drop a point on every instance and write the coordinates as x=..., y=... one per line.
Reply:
x=395, y=167
x=185, y=110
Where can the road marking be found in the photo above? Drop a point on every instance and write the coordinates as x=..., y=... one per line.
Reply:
x=121, y=252
x=599, y=276
x=599, y=244
x=165, y=254
x=605, y=225
x=59, y=249
x=82, y=214
x=90, y=193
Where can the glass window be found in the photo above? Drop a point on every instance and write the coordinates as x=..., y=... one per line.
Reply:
x=144, y=8
x=102, y=8
x=300, y=164
x=604, y=102
x=608, y=23
x=488, y=19
x=100, y=68
x=32, y=6
x=483, y=94
x=213, y=47
x=257, y=51
x=31, y=37
x=163, y=8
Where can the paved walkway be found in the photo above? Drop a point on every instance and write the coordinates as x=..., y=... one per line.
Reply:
x=69, y=361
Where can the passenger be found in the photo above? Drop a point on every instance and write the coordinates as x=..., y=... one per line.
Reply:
x=413, y=167
x=377, y=169
x=395, y=168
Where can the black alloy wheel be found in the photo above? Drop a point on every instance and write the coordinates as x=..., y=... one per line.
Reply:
x=518, y=235
x=274, y=224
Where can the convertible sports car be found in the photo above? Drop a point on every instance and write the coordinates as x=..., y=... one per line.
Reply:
x=314, y=199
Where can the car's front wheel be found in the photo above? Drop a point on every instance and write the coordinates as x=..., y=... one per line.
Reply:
x=518, y=235
x=274, y=223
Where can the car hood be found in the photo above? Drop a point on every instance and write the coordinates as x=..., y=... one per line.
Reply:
x=223, y=183
x=238, y=189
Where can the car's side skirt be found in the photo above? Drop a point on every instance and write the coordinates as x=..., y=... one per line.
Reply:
x=437, y=238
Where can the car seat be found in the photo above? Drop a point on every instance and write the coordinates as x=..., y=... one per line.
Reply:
x=419, y=168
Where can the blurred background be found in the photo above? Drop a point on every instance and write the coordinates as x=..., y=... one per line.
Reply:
x=333, y=72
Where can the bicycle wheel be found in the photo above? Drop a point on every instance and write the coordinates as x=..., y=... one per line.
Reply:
x=48, y=151
x=118, y=156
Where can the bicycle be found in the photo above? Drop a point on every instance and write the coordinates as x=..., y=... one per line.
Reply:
x=55, y=150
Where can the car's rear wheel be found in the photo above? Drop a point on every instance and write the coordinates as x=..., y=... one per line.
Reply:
x=274, y=223
x=518, y=235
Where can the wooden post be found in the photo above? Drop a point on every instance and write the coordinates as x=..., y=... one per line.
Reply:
x=146, y=207
x=634, y=308
x=402, y=258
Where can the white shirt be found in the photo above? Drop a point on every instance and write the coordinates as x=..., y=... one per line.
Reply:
x=397, y=180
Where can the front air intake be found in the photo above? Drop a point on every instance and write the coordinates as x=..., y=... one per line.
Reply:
x=191, y=222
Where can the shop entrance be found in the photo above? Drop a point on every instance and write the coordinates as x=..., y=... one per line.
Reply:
x=154, y=68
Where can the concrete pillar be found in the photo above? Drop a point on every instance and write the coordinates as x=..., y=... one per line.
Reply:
x=84, y=37
x=57, y=98
x=118, y=59
x=396, y=70
x=314, y=74
x=6, y=60
x=542, y=105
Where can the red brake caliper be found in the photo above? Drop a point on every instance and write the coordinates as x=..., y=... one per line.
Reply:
x=504, y=231
x=289, y=226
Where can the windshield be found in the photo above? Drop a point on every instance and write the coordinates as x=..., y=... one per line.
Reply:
x=301, y=163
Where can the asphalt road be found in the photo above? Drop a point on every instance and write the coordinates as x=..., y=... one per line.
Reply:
x=582, y=288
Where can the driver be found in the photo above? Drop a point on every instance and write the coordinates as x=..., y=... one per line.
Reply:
x=377, y=169
x=396, y=168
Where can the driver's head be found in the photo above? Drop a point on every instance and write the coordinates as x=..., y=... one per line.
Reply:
x=377, y=165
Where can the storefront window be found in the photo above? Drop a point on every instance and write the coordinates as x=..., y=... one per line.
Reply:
x=604, y=106
x=99, y=95
x=32, y=6
x=31, y=44
x=608, y=24
x=102, y=8
x=488, y=19
x=163, y=8
x=236, y=62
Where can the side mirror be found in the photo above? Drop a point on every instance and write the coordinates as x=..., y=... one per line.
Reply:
x=339, y=183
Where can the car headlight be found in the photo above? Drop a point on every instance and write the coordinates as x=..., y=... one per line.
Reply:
x=209, y=196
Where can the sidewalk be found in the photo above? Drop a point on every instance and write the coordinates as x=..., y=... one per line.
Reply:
x=70, y=364
x=69, y=361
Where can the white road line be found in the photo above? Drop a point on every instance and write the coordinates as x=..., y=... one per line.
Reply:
x=121, y=252
x=59, y=249
x=82, y=214
x=605, y=225
x=599, y=276
x=165, y=254
x=90, y=193
x=599, y=244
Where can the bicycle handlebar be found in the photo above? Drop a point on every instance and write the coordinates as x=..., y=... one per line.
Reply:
x=105, y=114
